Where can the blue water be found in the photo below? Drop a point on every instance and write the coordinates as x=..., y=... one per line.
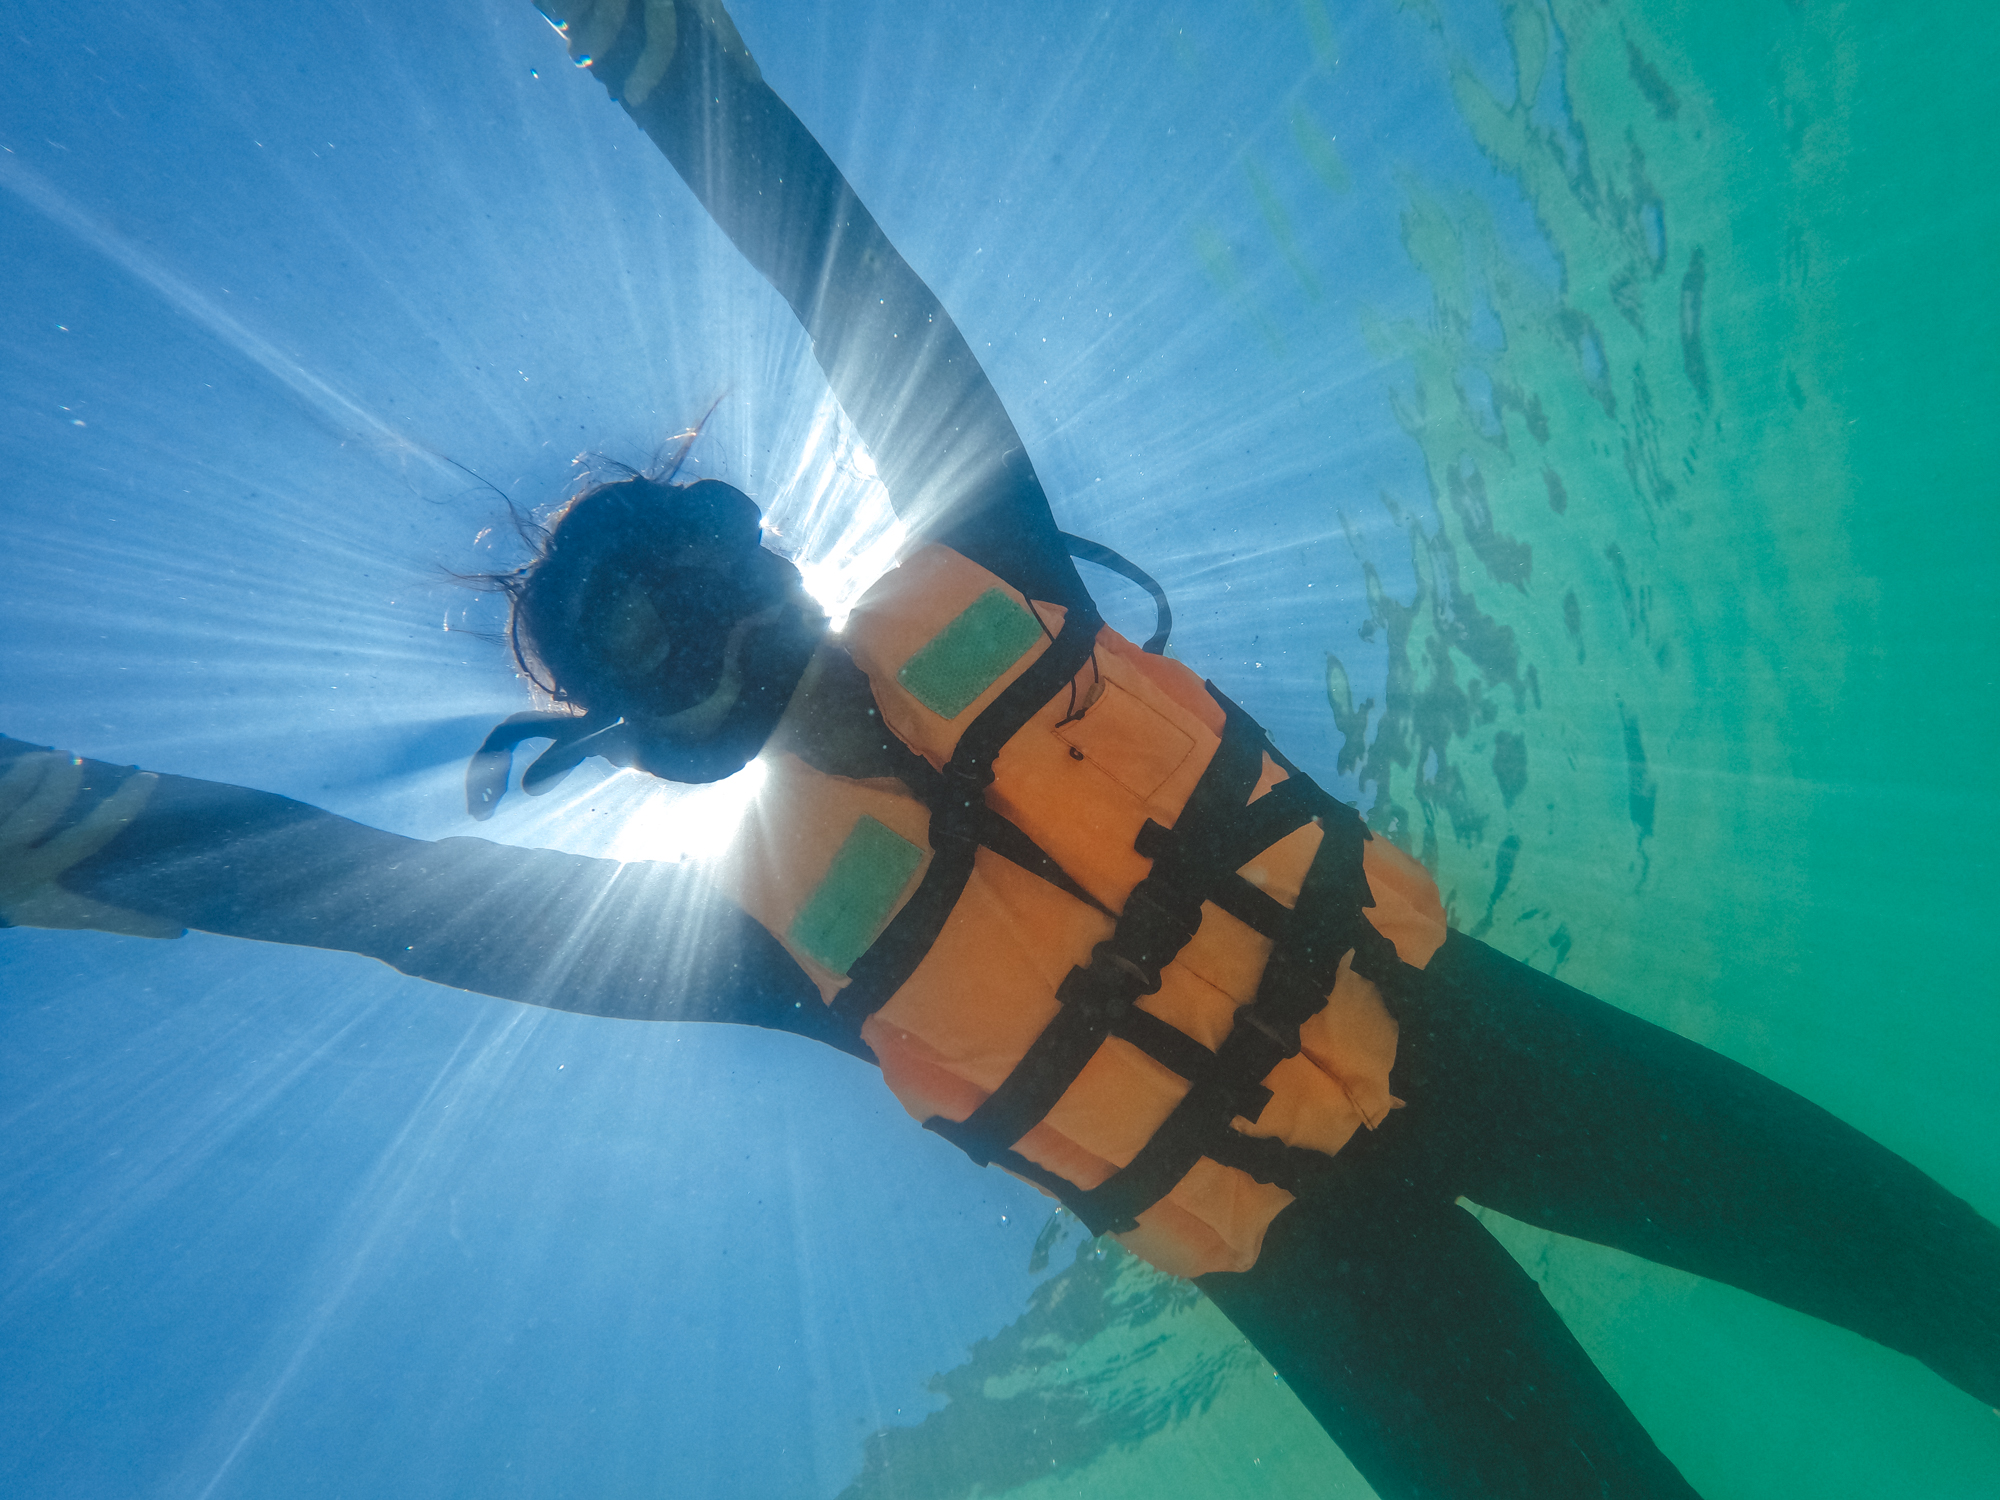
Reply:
x=293, y=290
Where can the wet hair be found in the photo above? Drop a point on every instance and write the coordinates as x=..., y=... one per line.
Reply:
x=623, y=604
x=627, y=610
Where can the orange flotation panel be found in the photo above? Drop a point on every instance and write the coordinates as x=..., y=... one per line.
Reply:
x=1061, y=946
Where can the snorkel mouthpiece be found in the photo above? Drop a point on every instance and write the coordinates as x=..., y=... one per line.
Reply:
x=576, y=739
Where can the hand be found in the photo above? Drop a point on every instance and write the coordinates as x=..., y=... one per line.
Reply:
x=728, y=40
x=34, y=793
x=591, y=26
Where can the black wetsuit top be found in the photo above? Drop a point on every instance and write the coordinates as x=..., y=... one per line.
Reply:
x=1415, y=1339
x=643, y=941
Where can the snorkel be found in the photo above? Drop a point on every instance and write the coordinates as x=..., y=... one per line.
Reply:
x=656, y=610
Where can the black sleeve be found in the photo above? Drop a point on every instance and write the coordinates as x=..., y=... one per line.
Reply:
x=636, y=941
x=944, y=445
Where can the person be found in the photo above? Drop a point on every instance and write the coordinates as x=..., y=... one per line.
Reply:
x=1088, y=922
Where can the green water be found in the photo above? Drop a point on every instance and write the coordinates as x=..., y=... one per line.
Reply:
x=1703, y=722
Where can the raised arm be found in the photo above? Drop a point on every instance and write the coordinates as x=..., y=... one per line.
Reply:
x=946, y=449
x=85, y=844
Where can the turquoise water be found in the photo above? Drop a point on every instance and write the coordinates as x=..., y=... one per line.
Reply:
x=1566, y=427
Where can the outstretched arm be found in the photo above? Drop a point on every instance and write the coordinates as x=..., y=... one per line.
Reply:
x=85, y=844
x=945, y=447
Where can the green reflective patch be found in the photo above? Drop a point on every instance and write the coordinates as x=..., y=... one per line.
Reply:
x=853, y=902
x=965, y=658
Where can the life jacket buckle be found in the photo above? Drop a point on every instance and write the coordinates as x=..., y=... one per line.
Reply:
x=1284, y=1035
x=1249, y=1099
x=959, y=799
x=952, y=825
x=1159, y=920
x=1105, y=988
x=1153, y=840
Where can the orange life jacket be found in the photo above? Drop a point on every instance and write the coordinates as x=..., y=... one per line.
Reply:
x=1171, y=1072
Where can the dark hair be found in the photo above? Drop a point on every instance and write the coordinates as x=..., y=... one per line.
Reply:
x=619, y=580
x=628, y=610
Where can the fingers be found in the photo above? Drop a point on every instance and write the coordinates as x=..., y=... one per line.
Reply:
x=20, y=780
x=135, y=924
x=104, y=823
x=592, y=27
x=730, y=41
x=52, y=906
x=34, y=793
x=589, y=25
x=662, y=37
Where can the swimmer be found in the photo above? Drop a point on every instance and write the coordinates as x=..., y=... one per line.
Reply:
x=1086, y=920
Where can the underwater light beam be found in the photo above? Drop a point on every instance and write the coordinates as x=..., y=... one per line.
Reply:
x=833, y=517
x=347, y=420
x=378, y=1209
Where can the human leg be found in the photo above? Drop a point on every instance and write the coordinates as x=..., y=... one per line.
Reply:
x=1534, y=1099
x=1429, y=1356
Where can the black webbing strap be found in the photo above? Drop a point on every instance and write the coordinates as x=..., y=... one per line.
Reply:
x=1086, y=550
x=1286, y=807
x=1061, y=1188
x=1301, y=970
x=1269, y=1160
x=1263, y=1158
x=1160, y=916
x=1375, y=956
x=955, y=822
x=1297, y=979
x=1167, y=1045
x=1271, y=818
x=995, y=832
x=1252, y=907
x=1280, y=812
x=1376, y=960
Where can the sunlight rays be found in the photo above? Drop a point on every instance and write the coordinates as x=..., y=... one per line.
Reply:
x=345, y=418
x=832, y=515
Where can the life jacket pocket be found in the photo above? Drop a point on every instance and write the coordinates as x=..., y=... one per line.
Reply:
x=1132, y=744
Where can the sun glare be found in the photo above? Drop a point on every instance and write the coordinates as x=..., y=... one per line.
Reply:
x=673, y=823
x=832, y=515
x=833, y=518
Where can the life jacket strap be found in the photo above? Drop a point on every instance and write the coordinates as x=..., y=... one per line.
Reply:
x=1085, y=550
x=1075, y=1199
x=1326, y=925
x=1218, y=831
x=956, y=821
x=1161, y=916
x=1296, y=1169
x=986, y=827
x=1293, y=1168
